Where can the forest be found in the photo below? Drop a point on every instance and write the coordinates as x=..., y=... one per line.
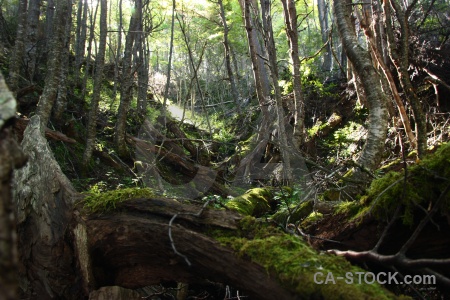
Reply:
x=224, y=149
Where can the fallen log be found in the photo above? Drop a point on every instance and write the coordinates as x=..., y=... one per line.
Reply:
x=20, y=125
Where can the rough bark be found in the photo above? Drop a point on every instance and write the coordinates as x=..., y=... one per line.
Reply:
x=16, y=61
x=11, y=157
x=49, y=94
x=126, y=85
x=44, y=199
x=91, y=131
x=377, y=124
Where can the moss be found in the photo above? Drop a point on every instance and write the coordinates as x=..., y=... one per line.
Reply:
x=294, y=213
x=425, y=182
x=294, y=263
x=255, y=202
x=96, y=201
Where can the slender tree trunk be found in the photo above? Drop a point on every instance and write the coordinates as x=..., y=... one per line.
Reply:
x=49, y=24
x=290, y=19
x=61, y=100
x=34, y=11
x=169, y=65
x=49, y=94
x=11, y=157
x=126, y=84
x=143, y=69
x=119, y=49
x=322, y=7
x=80, y=42
x=370, y=29
x=93, y=19
x=399, y=53
x=194, y=69
x=226, y=45
x=378, y=116
x=16, y=61
x=91, y=131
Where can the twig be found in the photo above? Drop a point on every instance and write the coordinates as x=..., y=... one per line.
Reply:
x=172, y=242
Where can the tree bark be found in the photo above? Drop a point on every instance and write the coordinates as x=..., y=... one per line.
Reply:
x=16, y=61
x=290, y=20
x=378, y=116
x=34, y=11
x=61, y=100
x=49, y=94
x=91, y=131
x=11, y=157
x=44, y=200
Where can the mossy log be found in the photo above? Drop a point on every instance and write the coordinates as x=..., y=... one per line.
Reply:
x=68, y=251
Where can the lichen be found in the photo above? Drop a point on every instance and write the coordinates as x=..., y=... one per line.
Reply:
x=295, y=263
x=96, y=201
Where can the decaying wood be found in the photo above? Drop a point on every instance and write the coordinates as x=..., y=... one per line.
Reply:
x=44, y=198
x=11, y=157
x=203, y=178
x=142, y=225
x=21, y=124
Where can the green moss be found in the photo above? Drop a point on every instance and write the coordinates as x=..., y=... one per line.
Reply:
x=294, y=213
x=96, y=201
x=255, y=202
x=294, y=263
x=425, y=182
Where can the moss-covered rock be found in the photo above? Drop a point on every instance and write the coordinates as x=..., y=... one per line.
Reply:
x=299, y=267
x=255, y=202
x=96, y=201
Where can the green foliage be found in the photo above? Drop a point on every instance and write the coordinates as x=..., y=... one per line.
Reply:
x=295, y=263
x=98, y=201
x=345, y=141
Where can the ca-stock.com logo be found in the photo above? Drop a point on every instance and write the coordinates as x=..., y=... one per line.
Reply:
x=164, y=165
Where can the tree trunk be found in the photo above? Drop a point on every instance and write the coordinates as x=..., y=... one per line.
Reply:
x=81, y=34
x=49, y=94
x=377, y=124
x=11, y=157
x=271, y=51
x=49, y=15
x=91, y=131
x=61, y=100
x=322, y=8
x=119, y=49
x=44, y=200
x=126, y=84
x=226, y=45
x=16, y=61
x=34, y=11
x=399, y=53
x=290, y=20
